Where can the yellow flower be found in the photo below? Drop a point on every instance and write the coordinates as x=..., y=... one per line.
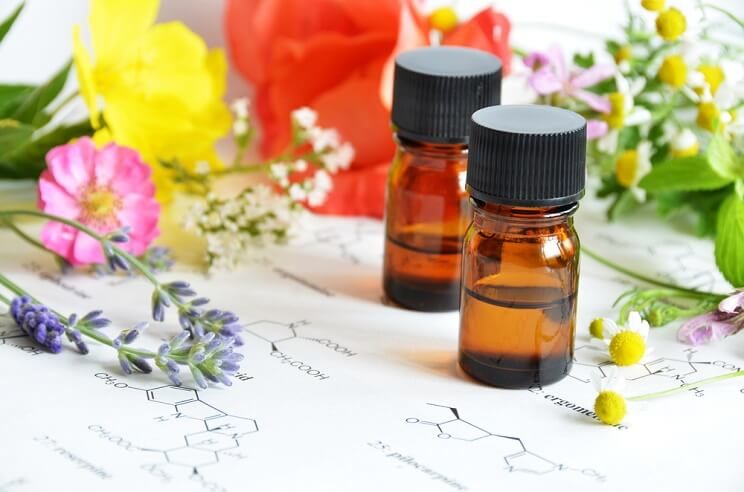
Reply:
x=161, y=87
x=713, y=75
x=596, y=328
x=653, y=5
x=673, y=71
x=670, y=24
x=632, y=165
x=623, y=53
x=708, y=115
x=444, y=19
x=610, y=406
x=616, y=117
x=685, y=144
x=627, y=345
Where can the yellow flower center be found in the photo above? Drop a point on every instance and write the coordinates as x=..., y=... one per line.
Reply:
x=623, y=53
x=708, y=114
x=99, y=205
x=443, y=19
x=673, y=71
x=627, y=348
x=610, y=407
x=596, y=328
x=670, y=24
x=626, y=168
x=653, y=5
x=713, y=76
x=689, y=151
x=616, y=117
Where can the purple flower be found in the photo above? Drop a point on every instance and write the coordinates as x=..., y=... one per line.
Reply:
x=38, y=322
x=550, y=75
x=727, y=320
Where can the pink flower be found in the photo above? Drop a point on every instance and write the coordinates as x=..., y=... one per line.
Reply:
x=596, y=129
x=726, y=320
x=105, y=189
x=550, y=75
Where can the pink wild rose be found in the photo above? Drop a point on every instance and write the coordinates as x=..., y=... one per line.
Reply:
x=105, y=189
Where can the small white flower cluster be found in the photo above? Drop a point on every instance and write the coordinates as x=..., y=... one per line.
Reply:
x=242, y=123
x=256, y=217
x=329, y=155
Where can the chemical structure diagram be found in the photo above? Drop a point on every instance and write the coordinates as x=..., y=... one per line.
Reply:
x=12, y=336
x=513, y=450
x=276, y=334
x=346, y=241
x=205, y=434
x=654, y=375
x=683, y=266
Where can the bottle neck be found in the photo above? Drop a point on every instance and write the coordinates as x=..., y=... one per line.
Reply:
x=432, y=149
x=490, y=215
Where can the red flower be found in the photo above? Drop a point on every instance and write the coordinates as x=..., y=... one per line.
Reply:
x=335, y=57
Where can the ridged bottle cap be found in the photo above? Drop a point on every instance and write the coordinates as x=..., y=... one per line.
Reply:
x=527, y=155
x=437, y=89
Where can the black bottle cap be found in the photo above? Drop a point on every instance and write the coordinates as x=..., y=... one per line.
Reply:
x=527, y=155
x=437, y=89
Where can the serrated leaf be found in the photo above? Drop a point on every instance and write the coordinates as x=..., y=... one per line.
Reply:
x=31, y=110
x=13, y=135
x=722, y=158
x=730, y=240
x=683, y=174
x=11, y=96
x=27, y=161
x=8, y=22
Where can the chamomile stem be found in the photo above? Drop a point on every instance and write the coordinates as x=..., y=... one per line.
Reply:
x=643, y=278
x=686, y=387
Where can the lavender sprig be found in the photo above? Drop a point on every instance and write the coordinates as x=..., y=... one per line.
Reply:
x=38, y=322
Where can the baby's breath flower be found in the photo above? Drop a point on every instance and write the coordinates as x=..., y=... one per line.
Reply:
x=443, y=19
x=240, y=128
x=653, y=5
x=610, y=406
x=627, y=345
x=673, y=71
x=671, y=24
x=339, y=158
x=324, y=139
x=305, y=118
x=240, y=107
x=684, y=144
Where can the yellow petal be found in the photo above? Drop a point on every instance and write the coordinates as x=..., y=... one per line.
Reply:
x=86, y=80
x=217, y=68
x=116, y=25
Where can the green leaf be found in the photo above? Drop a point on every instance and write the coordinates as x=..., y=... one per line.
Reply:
x=722, y=158
x=730, y=240
x=13, y=135
x=584, y=61
x=8, y=22
x=683, y=174
x=11, y=96
x=31, y=110
x=27, y=161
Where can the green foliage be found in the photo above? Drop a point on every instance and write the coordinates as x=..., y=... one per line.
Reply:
x=730, y=240
x=723, y=159
x=31, y=109
x=8, y=22
x=623, y=204
x=684, y=174
x=584, y=61
x=12, y=135
x=11, y=97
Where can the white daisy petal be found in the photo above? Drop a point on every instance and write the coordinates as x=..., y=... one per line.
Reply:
x=610, y=328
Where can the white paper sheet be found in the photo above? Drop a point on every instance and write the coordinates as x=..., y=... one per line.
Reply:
x=341, y=392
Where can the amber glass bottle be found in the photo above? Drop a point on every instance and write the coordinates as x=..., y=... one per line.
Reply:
x=521, y=253
x=436, y=90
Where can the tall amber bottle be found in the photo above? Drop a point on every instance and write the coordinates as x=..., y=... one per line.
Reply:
x=435, y=92
x=520, y=276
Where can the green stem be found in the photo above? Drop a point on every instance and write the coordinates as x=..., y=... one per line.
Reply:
x=30, y=240
x=244, y=168
x=686, y=386
x=725, y=12
x=648, y=280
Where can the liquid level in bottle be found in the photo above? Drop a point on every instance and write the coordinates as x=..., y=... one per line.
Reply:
x=422, y=272
x=517, y=337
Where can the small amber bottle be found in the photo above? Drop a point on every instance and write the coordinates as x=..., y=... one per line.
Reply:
x=526, y=173
x=436, y=90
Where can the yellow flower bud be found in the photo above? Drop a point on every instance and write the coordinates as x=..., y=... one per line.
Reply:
x=713, y=76
x=444, y=19
x=708, y=114
x=610, y=407
x=670, y=24
x=616, y=117
x=653, y=5
x=623, y=53
x=626, y=168
x=673, y=71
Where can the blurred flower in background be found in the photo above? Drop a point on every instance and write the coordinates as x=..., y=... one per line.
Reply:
x=336, y=58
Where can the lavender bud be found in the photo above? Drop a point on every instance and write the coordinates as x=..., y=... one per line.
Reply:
x=116, y=343
x=198, y=357
x=124, y=363
x=54, y=344
x=224, y=378
x=173, y=376
x=200, y=301
x=40, y=334
x=179, y=339
x=141, y=364
x=163, y=350
x=199, y=377
x=172, y=366
x=119, y=262
x=130, y=336
x=178, y=284
x=71, y=320
x=99, y=323
x=82, y=347
x=213, y=314
x=198, y=329
x=184, y=321
x=91, y=315
x=212, y=346
x=158, y=308
x=228, y=366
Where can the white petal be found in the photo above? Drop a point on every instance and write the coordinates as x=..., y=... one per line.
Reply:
x=638, y=116
x=610, y=328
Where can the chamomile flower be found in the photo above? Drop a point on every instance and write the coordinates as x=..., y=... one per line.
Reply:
x=623, y=111
x=684, y=144
x=597, y=327
x=627, y=345
x=610, y=406
x=631, y=166
x=671, y=24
